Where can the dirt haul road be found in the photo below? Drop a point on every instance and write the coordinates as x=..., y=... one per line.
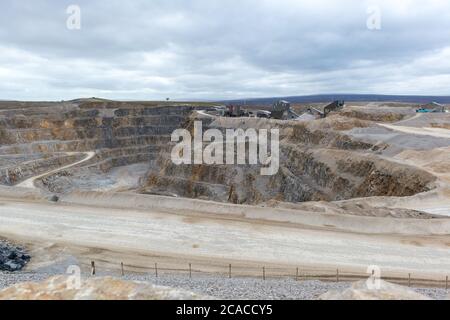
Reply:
x=214, y=240
x=423, y=131
x=29, y=183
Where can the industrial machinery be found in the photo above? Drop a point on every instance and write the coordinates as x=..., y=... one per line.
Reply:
x=433, y=107
x=334, y=106
x=282, y=110
x=234, y=111
x=260, y=114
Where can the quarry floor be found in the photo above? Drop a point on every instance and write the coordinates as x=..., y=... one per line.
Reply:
x=142, y=238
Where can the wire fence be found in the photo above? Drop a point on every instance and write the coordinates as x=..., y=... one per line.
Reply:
x=265, y=273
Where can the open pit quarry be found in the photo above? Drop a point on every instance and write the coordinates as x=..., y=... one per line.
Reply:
x=93, y=180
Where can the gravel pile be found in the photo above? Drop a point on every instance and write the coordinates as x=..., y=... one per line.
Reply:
x=434, y=293
x=8, y=279
x=227, y=289
x=257, y=289
x=12, y=258
x=252, y=289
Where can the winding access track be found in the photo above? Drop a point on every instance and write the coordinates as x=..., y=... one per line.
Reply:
x=30, y=183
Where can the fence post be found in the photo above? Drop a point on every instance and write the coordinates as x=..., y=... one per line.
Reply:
x=229, y=271
x=296, y=275
x=190, y=271
x=337, y=275
x=446, y=283
x=264, y=273
x=409, y=279
x=93, y=268
x=121, y=267
x=156, y=270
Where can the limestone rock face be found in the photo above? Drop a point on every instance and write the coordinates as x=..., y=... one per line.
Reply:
x=39, y=137
x=386, y=291
x=64, y=288
x=317, y=163
x=319, y=159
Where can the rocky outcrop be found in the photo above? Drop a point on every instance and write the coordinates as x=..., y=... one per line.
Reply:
x=12, y=258
x=65, y=288
x=385, y=291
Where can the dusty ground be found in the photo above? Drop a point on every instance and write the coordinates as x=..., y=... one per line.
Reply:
x=140, y=237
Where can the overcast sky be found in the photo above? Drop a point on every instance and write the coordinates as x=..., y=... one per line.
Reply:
x=217, y=49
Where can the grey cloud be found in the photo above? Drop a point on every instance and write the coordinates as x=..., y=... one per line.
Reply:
x=221, y=48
